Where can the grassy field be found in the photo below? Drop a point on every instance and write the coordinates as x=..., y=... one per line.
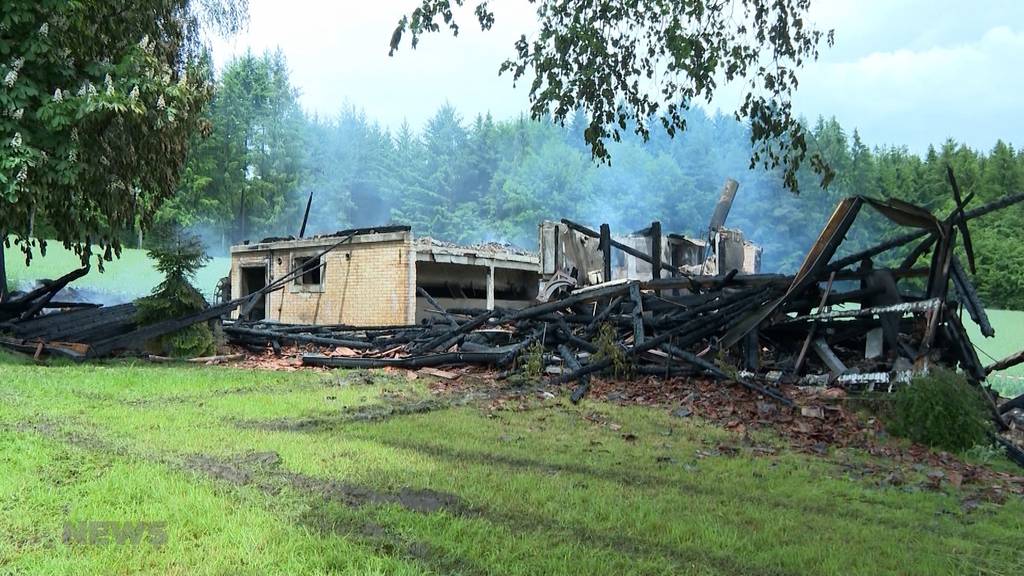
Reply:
x=132, y=274
x=365, y=473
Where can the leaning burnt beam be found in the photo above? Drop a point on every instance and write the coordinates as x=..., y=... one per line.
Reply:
x=137, y=337
x=627, y=249
x=51, y=287
x=268, y=335
x=565, y=332
x=918, y=251
x=1015, y=403
x=717, y=372
x=446, y=340
x=920, y=306
x=574, y=364
x=638, y=314
x=911, y=236
x=574, y=298
x=811, y=270
x=440, y=309
x=876, y=250
x=422, y=361
x=48, y=292
x=602, y=316
x=969, y=294
x=1008, y=362
x=957, y=335
x=1013, y=452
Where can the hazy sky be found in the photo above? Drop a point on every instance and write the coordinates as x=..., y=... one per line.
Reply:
x=907, y=72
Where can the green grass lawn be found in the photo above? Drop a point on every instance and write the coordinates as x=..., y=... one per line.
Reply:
x=133, y=273
x=364, y=473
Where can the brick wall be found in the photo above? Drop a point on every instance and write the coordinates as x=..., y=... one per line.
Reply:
x=365, y=283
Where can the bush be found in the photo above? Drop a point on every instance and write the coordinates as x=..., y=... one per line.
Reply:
x=608, y=348
x=941, y=410
x=176, y=297
x=533, y=368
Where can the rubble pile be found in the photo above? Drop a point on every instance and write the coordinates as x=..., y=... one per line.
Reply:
x=838, y=321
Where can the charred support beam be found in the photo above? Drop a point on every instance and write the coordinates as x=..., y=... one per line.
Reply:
x=917, y=252
x=305, y=216
x=1017, y=402
x=718, y=373
x=911, y=236
x=971, y=300
x=428, y=360
x=601, y=316
x=627, y=249
x=814, y=326
x=1008, y=362
x=656, y=251
x=605, y=244
x=638, y=314
x=42, y=290
x=572, y=299
x=574, y=364
x=282, y=337
x=446, y=340
x=438, y=307
x=1012, y=451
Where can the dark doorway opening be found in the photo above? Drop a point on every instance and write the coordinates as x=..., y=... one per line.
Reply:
x=254, y=279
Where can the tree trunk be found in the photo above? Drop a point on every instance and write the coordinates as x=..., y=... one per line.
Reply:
x=3, y=267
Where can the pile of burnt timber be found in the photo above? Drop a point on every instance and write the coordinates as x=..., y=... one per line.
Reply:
x=90, y=331
x=837, y=321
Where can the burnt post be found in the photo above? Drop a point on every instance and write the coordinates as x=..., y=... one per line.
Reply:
x=605, y=244
x=656, y=251
x=305, y=217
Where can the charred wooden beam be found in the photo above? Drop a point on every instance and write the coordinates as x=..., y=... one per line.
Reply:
x=423, y=361
x=574, y=364
x=576, y=297
x=605, y=244
x=446, y=340
x=440, y=309
x=717, y=372
x=656, y=251
x=282, y=337
x=969, y=296
x=917, y=252
x=1008, y=362
x=627, y=249
x=638, y=314
x=602, y=316
x=1012, y=404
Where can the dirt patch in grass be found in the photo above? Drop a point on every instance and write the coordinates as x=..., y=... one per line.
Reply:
x=378, y=412
x=263, y=470
x=415, y=499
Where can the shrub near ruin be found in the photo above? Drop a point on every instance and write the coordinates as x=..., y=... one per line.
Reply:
x=940, y=409
x=176, y=297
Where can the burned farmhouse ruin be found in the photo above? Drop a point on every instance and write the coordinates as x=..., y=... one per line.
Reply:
x=379, y=277
x=592, y=304
x=385, y=276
